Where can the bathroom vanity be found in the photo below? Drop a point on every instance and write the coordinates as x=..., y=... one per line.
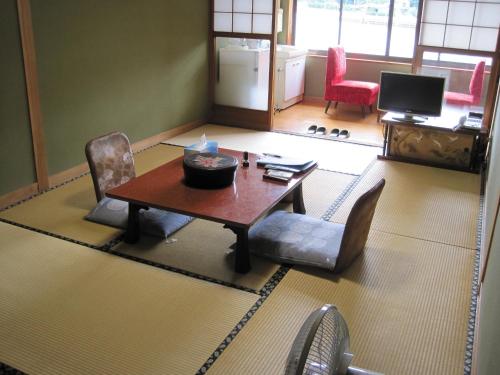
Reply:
x=290, y=76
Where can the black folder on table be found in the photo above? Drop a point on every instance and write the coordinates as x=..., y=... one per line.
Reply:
x=299, y=165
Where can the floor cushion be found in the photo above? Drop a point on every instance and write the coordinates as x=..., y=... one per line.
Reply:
x=114, y=212
x=297, y=239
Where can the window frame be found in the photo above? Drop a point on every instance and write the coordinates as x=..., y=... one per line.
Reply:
x=362, y=56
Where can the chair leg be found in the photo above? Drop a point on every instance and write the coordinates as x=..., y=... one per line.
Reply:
x=336, y=104
x=363, y=110
x=371, y=108
x=328, y=106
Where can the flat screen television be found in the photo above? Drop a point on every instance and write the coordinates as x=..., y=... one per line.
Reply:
x=413, y=96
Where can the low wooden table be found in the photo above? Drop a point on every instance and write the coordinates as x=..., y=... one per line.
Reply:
x=436, y=142
x=238, y=206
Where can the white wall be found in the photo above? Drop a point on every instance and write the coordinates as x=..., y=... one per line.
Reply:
x=489, y=329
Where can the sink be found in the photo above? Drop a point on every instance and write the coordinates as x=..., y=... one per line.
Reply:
x=284, y=51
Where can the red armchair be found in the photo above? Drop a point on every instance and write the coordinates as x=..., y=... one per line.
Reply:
x=475, y=89
x=339, y=90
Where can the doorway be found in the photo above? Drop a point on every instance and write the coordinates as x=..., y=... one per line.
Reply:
x=300, y=117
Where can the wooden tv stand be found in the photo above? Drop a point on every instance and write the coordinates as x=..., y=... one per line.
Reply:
x=434, y=142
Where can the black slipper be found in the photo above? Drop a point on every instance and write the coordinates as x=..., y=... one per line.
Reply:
x=344, y=133
x=334, y=132
x=312, y=129
x=321, y=130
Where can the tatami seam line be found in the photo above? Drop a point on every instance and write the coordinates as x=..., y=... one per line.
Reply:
x=107, y=248
x=471, y=326
x=423, y=239
x=265, y=293
x=272, y=283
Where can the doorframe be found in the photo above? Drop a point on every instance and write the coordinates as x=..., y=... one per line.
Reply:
x=33, y=93
x=237, y=116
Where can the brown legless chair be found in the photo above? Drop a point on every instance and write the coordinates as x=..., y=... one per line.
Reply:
x=299, y=239
x=111, y=164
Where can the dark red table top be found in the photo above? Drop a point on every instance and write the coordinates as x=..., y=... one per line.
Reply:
x=240, y=204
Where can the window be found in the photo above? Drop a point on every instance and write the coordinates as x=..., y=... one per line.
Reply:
x=453, y=60
x=361, y=26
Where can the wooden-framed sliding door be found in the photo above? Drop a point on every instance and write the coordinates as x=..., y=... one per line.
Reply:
x=242, y=54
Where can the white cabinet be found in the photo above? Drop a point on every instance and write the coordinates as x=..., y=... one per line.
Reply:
x=295, y=70
x=290, y=76
x=243, y=78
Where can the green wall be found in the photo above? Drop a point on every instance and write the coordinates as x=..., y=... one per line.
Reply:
x=140, y=67
x=284, y=4
x=16, y=152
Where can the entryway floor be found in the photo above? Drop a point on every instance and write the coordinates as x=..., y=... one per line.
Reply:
x=298, y=118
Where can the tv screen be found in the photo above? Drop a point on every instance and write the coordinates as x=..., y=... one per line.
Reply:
x=411, y=94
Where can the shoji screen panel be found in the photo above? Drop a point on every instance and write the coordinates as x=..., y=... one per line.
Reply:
x=465, y=25
x=243, y=16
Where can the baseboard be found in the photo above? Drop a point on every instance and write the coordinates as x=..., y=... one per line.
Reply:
x=314, y=99
x=68, y=174
x=18, y=195
x=78, y=170
x=155, y=139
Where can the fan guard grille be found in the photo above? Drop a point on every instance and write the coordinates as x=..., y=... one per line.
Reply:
x=320, y=345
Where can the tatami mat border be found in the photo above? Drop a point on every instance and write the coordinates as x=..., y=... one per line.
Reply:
x=58, y=236
x=276, y=278
x=107, y=248
x=327, y=138
x=43, y=192
x=265, y=292
x=471, y=326
x=343, y=196
x=184, y=272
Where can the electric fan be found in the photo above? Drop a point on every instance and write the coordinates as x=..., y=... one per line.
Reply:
x=322, y=346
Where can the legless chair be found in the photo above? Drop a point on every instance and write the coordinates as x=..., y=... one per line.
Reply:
x=111, y=164
x=299, y=239
x=475, y=89
x=110, y=161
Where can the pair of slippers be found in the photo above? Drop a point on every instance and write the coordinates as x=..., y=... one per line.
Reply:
x=315, y=129
x=321, y=130
x=336, y=133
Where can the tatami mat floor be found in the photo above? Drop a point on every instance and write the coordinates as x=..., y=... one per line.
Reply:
x=406, y=300
x=205, y=248
x=66, y=309
x=69, y=203
x=422, y=202
x=329, y=154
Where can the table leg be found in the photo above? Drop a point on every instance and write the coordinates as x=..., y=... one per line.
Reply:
x=384, y=148
x=242, y=254
x=298, y=200
x=242, y=259
x=133, y=232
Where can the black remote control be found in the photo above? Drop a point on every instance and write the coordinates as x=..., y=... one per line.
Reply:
x=281, y=168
